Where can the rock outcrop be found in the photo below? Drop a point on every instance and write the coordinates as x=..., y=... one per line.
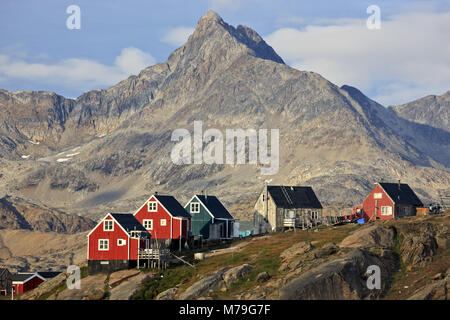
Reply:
x=220, y=280
x=340, y=279
x=371, y=236
x=439, y=289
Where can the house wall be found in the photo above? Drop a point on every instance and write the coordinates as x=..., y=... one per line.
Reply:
x=200, y=222
x=18, y=288
x=31, y=284
x=370, y=203
x=5, y=283
x=115, y=252
x=158, y=231
x=262, y=222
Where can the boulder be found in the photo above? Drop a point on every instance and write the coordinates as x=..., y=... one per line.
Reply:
x=234, y=274
x=372, y=236
x=297, y=249
x=169, y=294
x=437, y=290
x=128, y=287
x=95, y=294
x=263, y=277
x=340, y=279
x=208, y=284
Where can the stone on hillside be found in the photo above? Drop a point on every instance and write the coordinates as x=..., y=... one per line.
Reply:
x=340, y=279
x=372, y=236
x=263, y=277
x=206, y=285
x=234, y=274
x=169, y=294
x=128, y=287
x=297, y=249
x=95, y=294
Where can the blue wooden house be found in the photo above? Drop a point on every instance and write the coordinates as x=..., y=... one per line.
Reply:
x=210, y=219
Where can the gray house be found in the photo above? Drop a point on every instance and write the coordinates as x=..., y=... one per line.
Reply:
x=5, y=282
x=280, y=207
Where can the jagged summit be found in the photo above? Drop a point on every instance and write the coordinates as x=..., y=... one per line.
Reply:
x=216, y=36
x=211, y=15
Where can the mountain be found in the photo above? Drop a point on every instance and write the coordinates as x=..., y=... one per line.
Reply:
x=16, y=213
x=109, y=149
x=431, y=110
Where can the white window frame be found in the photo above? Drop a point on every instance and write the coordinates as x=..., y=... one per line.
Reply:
x=152, y=206
x=163, y=222
x=386, y=211
x=105, y=244
x=378, y=195
x=314, y=215
x=197, y=205
x=121, y=242
x=112, y=225
x=145, y=221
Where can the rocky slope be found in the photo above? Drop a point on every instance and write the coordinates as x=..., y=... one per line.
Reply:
x=108, y=149
x=16, y=213
x=431, y=110
x=330, y=263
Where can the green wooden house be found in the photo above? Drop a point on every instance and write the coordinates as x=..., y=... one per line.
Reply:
x=210, y=218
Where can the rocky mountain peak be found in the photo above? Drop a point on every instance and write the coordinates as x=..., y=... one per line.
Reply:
x=214, y=39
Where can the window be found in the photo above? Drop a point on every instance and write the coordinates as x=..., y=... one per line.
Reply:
x=148, y=224
x=163, y=222
x=378, y=195
x=195, y=207
x=386, y=211
x=121, y=242
x=152, y=206
x=108, y=225
x=314, y=215
x=103, y=244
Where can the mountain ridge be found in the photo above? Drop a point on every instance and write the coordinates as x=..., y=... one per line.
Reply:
x=118, y=139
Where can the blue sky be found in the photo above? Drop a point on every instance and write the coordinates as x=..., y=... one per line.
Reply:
x=409, y=57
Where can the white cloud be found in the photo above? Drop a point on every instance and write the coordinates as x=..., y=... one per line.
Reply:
x=407, y=59
x=76, y=73
x=178, y=36
x=133, y=60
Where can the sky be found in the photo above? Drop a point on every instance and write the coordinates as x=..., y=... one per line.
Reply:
x=406, y=58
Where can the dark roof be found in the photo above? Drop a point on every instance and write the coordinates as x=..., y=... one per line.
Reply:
x=402, y=195
x=173, y=206
x=22, y=277
x=216, y=207
x=3, y=270
x=48, y=274
x=293, y=197
x=128, y=222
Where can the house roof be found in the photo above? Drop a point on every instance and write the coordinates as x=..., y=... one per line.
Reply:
x=128, y=222
x=48, y=274
x=294, y=197
x=215, y=207
x=3, y=270
x=173, y=206
x=23, y=276
x=401, y=195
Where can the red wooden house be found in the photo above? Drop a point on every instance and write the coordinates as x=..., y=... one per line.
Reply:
x=389, y=201
x=166, y=220
x=115, y=242
x=25, y=281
